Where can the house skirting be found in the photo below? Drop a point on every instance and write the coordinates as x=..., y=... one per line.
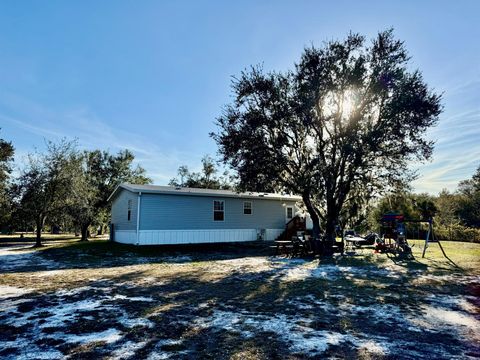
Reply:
x=198, y=236
x=125, y=236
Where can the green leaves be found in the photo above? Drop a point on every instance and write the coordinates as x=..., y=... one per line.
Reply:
x=469, y=209
x=207, y=178
x=64, y=184
x=341, y=125
x=6, y=157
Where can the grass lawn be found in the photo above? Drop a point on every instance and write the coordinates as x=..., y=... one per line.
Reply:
x=29, y=238
x=105, y=300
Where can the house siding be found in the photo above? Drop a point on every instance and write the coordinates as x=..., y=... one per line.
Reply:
x=183, y=212
x=120, y=211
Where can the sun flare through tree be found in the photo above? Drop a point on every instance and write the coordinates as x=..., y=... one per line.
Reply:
x=338, y=129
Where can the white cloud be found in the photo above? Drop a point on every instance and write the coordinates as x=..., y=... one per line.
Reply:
x=457, y=150
x=92, y=133
x=456, y=154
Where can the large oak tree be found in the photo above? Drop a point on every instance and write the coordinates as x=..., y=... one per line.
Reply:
x=346, y=121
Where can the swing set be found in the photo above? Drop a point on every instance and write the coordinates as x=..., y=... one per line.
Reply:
x=431, y=234
x=394, y=237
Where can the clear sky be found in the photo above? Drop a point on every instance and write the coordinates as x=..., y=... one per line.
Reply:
x=152, y=76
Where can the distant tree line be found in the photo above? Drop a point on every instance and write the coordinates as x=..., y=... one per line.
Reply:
x=460, y=207
x=456, y=214
x=67, y=189
x=62, y=187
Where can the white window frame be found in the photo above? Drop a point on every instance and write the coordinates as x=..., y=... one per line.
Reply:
x=222, y=201
x=251, y=207
x=286, y=213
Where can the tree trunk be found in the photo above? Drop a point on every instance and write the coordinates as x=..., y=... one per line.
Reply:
x=313, y=216
x=84, y=231
x=330, y=234
x=38, y=240
x=330, y=223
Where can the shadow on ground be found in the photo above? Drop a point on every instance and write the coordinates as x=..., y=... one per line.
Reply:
x=196, y=303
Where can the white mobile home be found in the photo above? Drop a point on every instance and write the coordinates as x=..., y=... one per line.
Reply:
x=152, y=215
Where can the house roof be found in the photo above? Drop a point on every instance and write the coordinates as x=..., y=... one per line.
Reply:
x=156, y=189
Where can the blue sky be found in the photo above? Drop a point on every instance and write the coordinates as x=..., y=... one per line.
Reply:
x=152, y=76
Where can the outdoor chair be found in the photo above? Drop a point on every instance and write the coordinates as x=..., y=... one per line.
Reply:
x=300, y=246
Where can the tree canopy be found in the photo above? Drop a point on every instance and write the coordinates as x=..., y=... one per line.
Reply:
x=469, y=207
x=98, y=174
x=6, y=156
x=63, y=182
x=345, y=122
x=45, y=185
x=207, y=178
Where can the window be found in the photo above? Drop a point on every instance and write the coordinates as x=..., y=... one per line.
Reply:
x=247, y=208
x=289, y=212
x=218, y=210
x=129, y=210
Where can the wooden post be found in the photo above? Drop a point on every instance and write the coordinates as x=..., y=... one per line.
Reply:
x=439, y=244
x=427, y=238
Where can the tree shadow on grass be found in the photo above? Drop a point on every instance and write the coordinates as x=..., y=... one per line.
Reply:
x=102, y=254
x=240, y=313
x=29, y=239
x=434, y=266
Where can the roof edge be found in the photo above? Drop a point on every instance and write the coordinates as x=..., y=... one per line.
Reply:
x=170, y=190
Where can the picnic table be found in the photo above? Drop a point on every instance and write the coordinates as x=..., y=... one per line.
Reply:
x=355, y=243
x=285, y=245
x=298, y=245
x=355, y=240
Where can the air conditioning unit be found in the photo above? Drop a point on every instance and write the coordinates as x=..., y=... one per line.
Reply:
x=261, y=234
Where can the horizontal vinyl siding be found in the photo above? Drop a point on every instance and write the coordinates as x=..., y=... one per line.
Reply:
x=173, y=212
x=120, y=211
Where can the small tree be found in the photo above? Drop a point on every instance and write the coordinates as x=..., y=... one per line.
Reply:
x=6, y=157
x=183, y=173
x=401, y=202
x=426, y=207
x=447, y=205
x=44, y=186
x=345, y=121
x=469, y=202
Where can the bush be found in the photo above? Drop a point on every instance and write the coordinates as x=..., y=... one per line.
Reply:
x=442, y=232
x=458, y=233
